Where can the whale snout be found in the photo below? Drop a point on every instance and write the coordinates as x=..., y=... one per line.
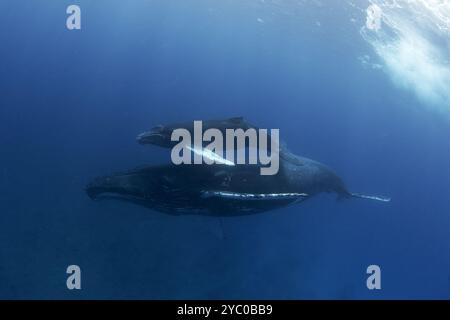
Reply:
x=99, y=186
x=115, y=186
x=156, y=136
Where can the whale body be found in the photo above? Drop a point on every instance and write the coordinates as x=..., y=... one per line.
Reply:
x=218, y=189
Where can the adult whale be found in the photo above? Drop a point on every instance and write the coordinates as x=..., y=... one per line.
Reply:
x=218, y=189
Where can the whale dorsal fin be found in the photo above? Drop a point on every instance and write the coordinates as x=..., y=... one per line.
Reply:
x=236, y=119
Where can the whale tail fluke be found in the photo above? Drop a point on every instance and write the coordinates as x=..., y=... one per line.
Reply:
x=376, y=198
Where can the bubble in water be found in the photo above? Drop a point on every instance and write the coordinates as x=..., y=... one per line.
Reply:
x=373, y=21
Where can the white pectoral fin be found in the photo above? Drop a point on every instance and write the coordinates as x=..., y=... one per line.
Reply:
x=211, y=155
x=254, y=196
x=376, y=198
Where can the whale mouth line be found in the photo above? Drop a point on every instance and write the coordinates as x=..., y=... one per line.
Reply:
x=104, y=193
x=143, y=137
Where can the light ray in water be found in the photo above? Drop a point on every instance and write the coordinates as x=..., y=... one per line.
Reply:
x=412, y=38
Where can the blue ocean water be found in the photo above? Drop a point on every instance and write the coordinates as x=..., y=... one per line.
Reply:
x=372, y=105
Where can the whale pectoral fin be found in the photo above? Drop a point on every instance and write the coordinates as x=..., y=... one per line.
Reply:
x=254, y=196
x=376, y=198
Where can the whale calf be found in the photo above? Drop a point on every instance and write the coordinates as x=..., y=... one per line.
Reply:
x=161, y=134
x=218, y=189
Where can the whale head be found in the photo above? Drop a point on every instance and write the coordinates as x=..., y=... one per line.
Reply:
x=159, y=136
x=127, y=187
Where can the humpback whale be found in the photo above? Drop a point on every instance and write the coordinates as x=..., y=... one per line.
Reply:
x=218, y=189
x=161, y=134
